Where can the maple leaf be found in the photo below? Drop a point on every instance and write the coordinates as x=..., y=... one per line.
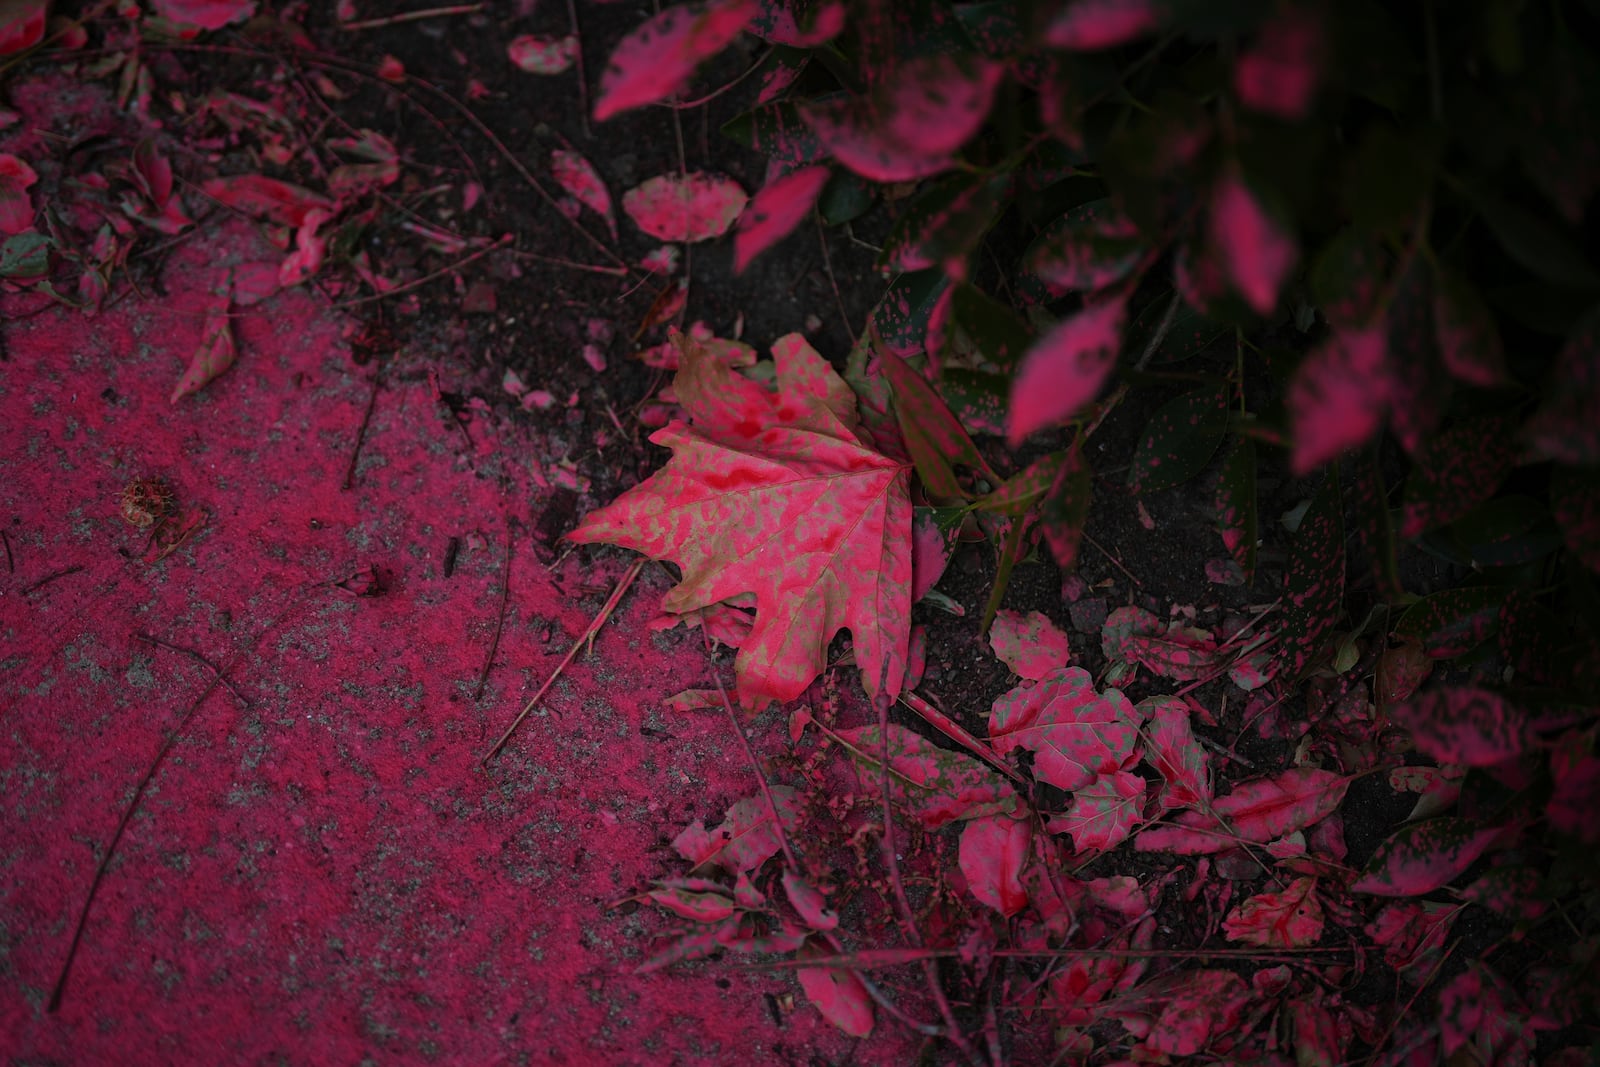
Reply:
x=773, y=493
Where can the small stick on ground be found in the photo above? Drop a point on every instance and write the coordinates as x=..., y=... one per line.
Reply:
x=11, y=566
x=500, y=616
x=586, y=637
x=212, y=667
x=1115, y=562
x=827, y=266
x=47, y=579
x=583, y=78
x=426, y=278
x=361, y=433
x=413, y=16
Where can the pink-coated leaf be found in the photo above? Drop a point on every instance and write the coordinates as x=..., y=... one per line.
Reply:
x=1576, y=797
x=1314, y=585
x=936, y=785
x=22, y=25
x=1412, y=932
x=1031, y=645
x=1103, y=813
x=771, y=492
x=777, y=24
x=1089, y=248
x=1074, y=733
x=1465, y=724
x=578, y=177
x=775, y=211
x=269, y=198
x=1278, y=74
x=1175, y=754
x=204, y=14
x=215, y=354
x=1511, y=891
x=746, y=837
x=1089, y=25
x=1132, y=637
x=1065, y=368
x=16, y=206
x=1457, y=470
x=543, y=55
x=1424, y=856
x=1480, y=1010
x=1257, y=811
x=1181, y=1013
x=151, y=172
x=839, y=997
x=1257, y=251
x=657, y=59
x=696, y=944
x=994, y=851
x=699, y=905
x=811, y=905
x=1338, y=396
x=1452, y=622
x=934, y=438
x=1290, y=919
x=1318, y=1041
x=691, y=207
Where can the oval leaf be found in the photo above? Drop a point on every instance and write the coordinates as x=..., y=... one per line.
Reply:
x=1457, y=470
x=840, y=998
x=1064, y=370
x=1031, y=645
x=1338, y=395
x=936, y=785
x=1089, y=25
x=657, y=59
x=215, y=354
x=993, y=853
x=543, y=55
x=1465, y=725
x=1180, y=439
x=691, y=207
x=777, y=209
x=1453, y=622
x=1256, y=250
x=1290, y=919
x=1074, y=732
x=1090, y=247
x=1423, y=857
x=1103, y=813
x=583, y=183
x=1257, y=811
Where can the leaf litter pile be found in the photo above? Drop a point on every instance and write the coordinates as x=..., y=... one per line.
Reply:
x=1134, y=847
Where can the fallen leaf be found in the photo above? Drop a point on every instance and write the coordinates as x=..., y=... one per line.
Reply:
x=1103, y=813
x=1179, y=1014
x=1175, y=754
x=1290, y=919
x=22, y=25
x=839, y=997
x=808, y=902
x=578, y=177
x=692, y=207
x=707, y=902
x=994, y=851
x=745, y=839
x=1074, y=732
x=543, y=55
x=657, y=59
x=773, y=493
x=1031, y=645
x=215, y=354
x=1132, y=636
x=934, y=784
x=269, y=198
x=1257, y=811
x=776, y=210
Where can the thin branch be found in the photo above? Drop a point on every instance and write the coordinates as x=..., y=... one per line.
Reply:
x=361, y=431
x=500, y=616
x=583, y=77
x=416, y=283
x=413, y=16
x=11, y=566
x=212, y=667
x=47, y=579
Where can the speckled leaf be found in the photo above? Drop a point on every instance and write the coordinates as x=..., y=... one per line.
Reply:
x=1566, y=428
x=1236, y=505
x=777, y=131
x=690, y=207
x=1338, y=396
x=777, y=209
x=1175, y=754
x=1065, y=368
x=1401, y=669
x=657, y=59
x=543, y=55
x=278, y=201
x=1191, y=1009
x=701, y=905
x=1465, y=724
x=780, y=69
x=1180, y=439
x=745, y=839
x=1188, y=334
x=1346, y=278
x=1314, y=585
x=581, y=181
x=1290, y=919
x=987, y=328
x=914, y=122
x=1453, y=622
x=1256, y=249
x=933, y=437
x=816, y=23
x=1089, y=25
x=1031, y=645
x=943, y=223
x=839, y=997
x=1466, y=333
x=215, y=354
x=1510, y=891
x=994, y=851
x=1103, y=813
x=1424, y=856
x=1074, y=733
x=1090, y=247
x=1479, y=1012
x=936, y=785
x=1532, y=640
x=1369, y=500
x=1576, y=797
x=1575, y=502
x=16, y=206
x=1022, y=491
x=901, y=317
x=1457, y=470
x=1132, y=635
x=1257, y=811
x=977, y=398
x=809, y=904
x=773, y=493
x=1066, y=507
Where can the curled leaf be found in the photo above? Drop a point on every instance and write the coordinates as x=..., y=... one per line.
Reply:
x=215, y=354
x=578, y=177
x=1074, y=732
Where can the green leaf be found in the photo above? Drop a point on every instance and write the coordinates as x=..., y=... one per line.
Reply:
x=901, y=317
x=777, y=131
x=1508, y=531
x=25, y=255
x=1189, y=333
x=1089, y=248
x=1536, y=244
x=977, y=398
x=1466, y=332
x=983, y=325
x=1236, y=505
x=1371, y=504
x=1314, y=586
x=845, y=198
x=1453, y=622
x=934, y=438
x=1021, y=492
x=1180, y=439
x=1457, y=470
x=944, y=222
x=1066, y=507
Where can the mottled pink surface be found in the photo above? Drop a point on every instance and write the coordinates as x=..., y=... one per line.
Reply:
x=325, y=875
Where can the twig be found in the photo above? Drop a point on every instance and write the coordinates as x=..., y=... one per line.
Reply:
x=689, y=105
x=500, y=616
x=957, y=733
x=361, y=431
x=593, y=268
x=583, y=77
x=827, y=266
x=587, y=636
x=1115, y=562
x=11, y=567
x=417, y=283
x=47, y=579
x=413, y=16
x=212, y=667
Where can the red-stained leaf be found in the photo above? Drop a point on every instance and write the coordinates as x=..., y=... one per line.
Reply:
x=1511, y=891
x=934, y=784
x=1278, y=74
x=776, y=22
x=1088, y=25
x=1236, y=505
x=777, y=209
x=1175, y=754
x=811, y=905
x=773, y=493
x=944, y=222
x=1132, y=637
x=1083, y=982
x=1576, y=798
x=1314, y=585
x=657, y=59
x=1065, y=368
x=1180, y=439
x=1074, y=733
x=1103, y=813
x=1457, y=470
x=16, y=206
x=1478, y=1009
x=215, y=354
x=1466, y=333
x=707, y=904
x=840, y=998
x=1338, y=395
x=22, y=25
x=1453, y=622
x=1566, y=428
x=204, y=14
x=1465, y=724
x=696, y=944
x=994, y=851
x=1181, y=1013
x=913, y=123
x=1422, y=857
x=1031, y=645
x=1575, y=502
x=746, y=837
x=692, y=207
x=1089, y=248
x=777, y=130
x=1257, y=811
x=543, y=55
x=583, y=183
x=1290, y=919
x=1257, y=251
x=1412, y=932
x=269, y=198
